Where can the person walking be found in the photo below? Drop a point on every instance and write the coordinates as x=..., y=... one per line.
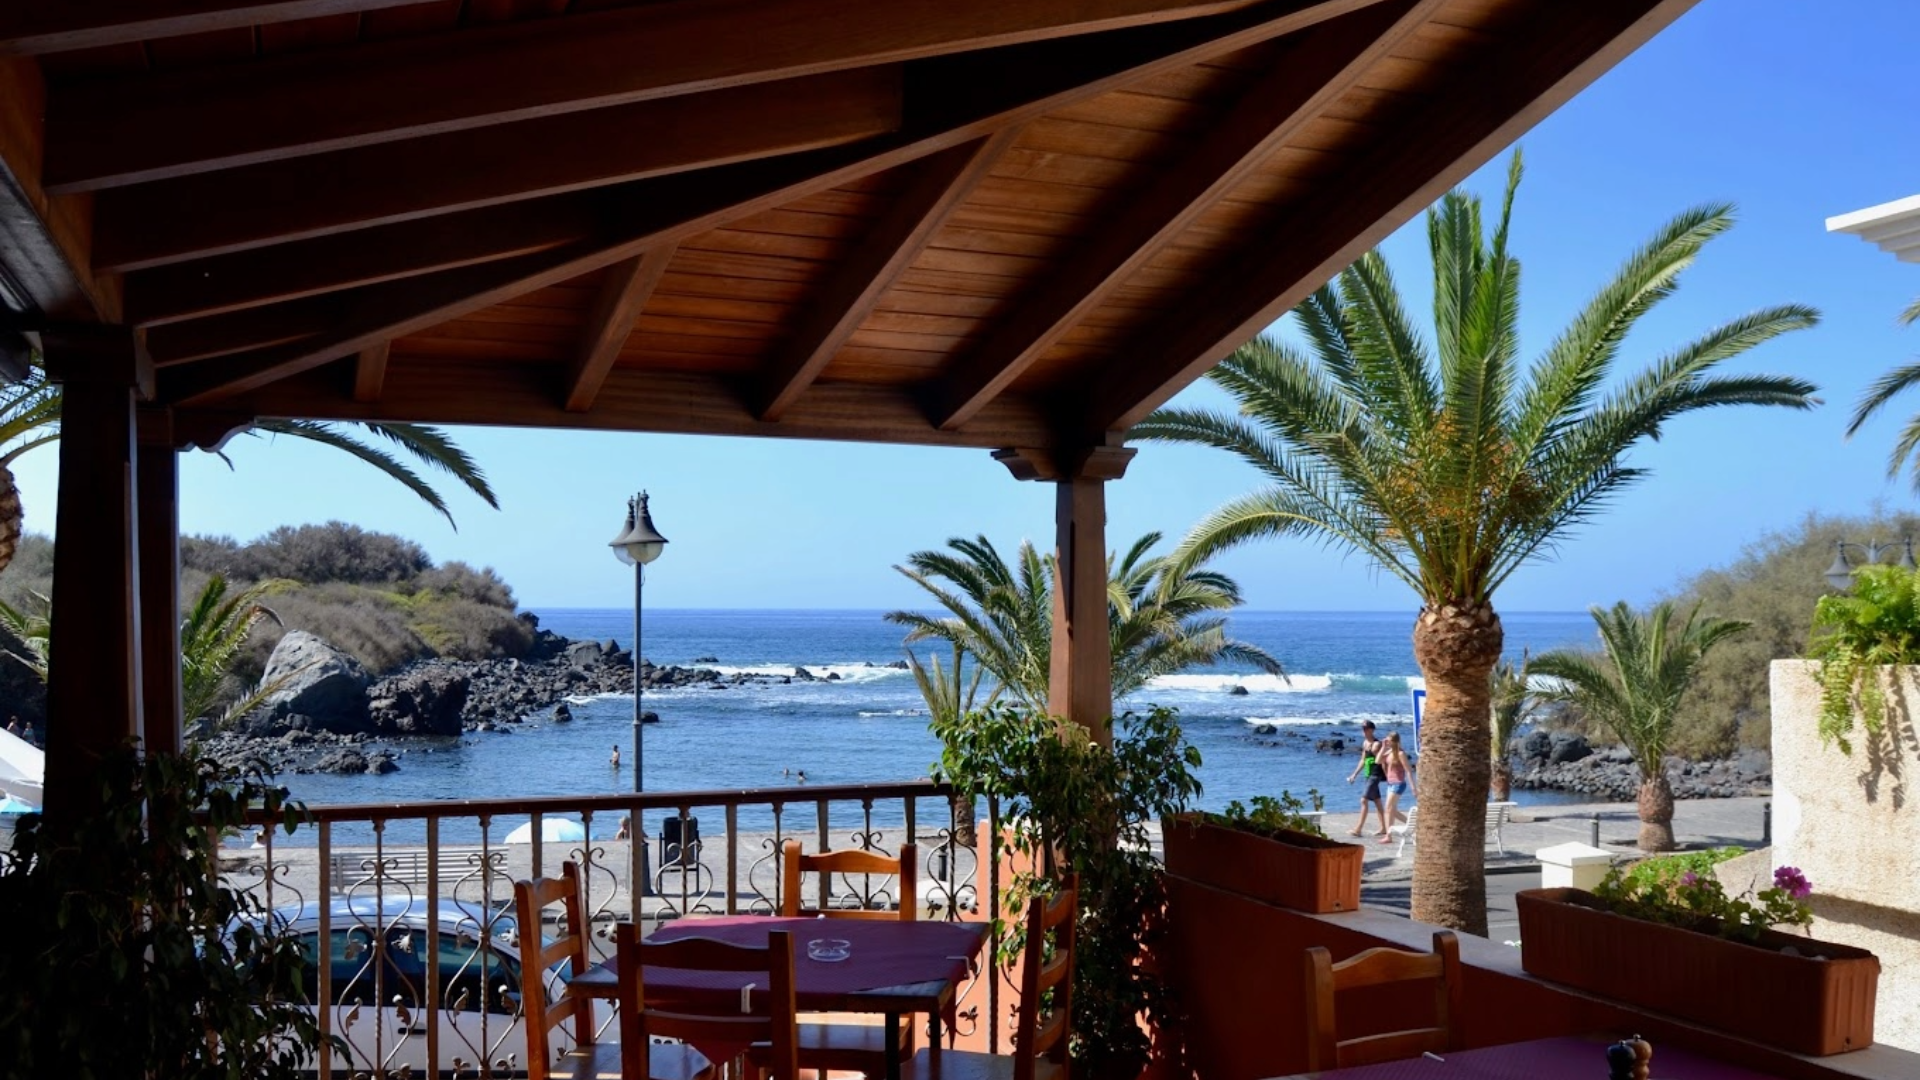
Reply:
x=1399, y=773
x=1370, y=748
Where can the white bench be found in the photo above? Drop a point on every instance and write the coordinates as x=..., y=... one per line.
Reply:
x=408, y=866
x=1497, y=818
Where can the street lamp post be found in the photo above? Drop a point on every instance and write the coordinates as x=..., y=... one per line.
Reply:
x=1840, y=574
x=637, y=545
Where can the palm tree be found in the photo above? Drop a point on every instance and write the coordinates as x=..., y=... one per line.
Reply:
x=30, y=418
x=1885, y=389
x=1636, y=692
x=951, y=694
x=1162, y=617
x=215, y=628
x=1513, y=703
x=1453, y=465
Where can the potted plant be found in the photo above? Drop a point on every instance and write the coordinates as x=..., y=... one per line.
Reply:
x=129, y=955
x=1682, y=947
x=1273, y=852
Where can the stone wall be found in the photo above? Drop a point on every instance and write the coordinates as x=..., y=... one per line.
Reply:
x=1851, y=824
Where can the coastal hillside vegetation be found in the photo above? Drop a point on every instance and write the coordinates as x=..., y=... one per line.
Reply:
x=1772, y=587
x=379, y=597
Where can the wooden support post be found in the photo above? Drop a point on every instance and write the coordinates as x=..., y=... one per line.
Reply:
x=94, y=686
x=157, y=491
x=1080, y=685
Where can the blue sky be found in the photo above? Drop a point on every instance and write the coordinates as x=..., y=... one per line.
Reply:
x=1793, y=117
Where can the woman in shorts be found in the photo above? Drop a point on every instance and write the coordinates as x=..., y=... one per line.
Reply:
x=1399, y=775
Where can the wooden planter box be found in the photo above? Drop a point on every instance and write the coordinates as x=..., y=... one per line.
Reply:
x=1757, y=992
x=1303, y=871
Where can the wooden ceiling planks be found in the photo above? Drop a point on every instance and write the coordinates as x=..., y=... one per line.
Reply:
x=1028, y=222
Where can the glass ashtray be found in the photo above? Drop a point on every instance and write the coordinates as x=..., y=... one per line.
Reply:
x=829, y=950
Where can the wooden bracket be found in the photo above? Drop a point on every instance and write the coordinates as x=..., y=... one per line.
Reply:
x=1106, y=462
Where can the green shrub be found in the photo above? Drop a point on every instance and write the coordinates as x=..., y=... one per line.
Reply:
x=1857, y=634
x=1667, y=870
x=1773, y=586
x=1270, y=817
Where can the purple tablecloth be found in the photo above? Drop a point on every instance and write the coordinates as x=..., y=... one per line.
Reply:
x=1544, y=1059
x=881, y=954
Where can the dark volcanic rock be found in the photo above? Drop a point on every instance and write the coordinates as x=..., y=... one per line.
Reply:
x=1237, y=691
x=324, y=688
x=23, y=696
x=425, y=699
x=1568, y=747
x=1333, y=745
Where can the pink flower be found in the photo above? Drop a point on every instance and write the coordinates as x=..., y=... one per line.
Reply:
x=1689, y=878
x=1793, y=881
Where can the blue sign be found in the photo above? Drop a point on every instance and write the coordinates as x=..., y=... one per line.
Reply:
x=1419, y=707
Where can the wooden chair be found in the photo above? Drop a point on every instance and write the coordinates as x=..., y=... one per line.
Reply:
x=530, y=900
x=850, y=1043
x=1379, y=967
x=769, y=1028
x=1039, y=1034
x=828, y=863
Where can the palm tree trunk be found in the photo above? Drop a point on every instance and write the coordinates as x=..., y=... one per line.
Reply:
x=1502, y=788
x=1456, y=646
x=1656, y=813
x=10, y=516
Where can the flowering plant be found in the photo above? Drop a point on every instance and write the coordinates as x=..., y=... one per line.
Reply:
x=1698, y=901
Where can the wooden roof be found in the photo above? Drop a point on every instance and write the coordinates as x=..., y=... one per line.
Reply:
x=972, y=222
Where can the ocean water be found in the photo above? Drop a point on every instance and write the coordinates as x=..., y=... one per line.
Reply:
x=870, y=724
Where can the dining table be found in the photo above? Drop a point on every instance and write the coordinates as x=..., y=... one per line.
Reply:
x=1569, y=1057
x=891, y=968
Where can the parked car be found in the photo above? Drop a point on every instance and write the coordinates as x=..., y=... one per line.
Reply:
x=380, y=964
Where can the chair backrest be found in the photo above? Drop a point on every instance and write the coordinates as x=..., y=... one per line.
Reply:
x=767, y=1015
x=679, y=844
x=1046, y=977
x=1378, y=967
x=531, y=899
x=829, y=863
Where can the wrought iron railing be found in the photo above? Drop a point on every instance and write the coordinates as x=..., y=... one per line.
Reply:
x=407, y=907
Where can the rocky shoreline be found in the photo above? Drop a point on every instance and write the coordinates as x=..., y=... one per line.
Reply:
x=1561, y=761
x=329, y=715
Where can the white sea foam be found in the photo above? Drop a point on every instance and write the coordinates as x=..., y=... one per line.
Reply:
x=1289, y=684
x=871, y=713
x=588, y=699
x=847, y=672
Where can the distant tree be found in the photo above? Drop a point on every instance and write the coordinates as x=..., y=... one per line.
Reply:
x=1513, y=703
x=1634, y=688
x=30, y=418
x=1162, y=617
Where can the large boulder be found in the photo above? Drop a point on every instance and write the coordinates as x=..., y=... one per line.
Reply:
x=586, y=654
x=23, y=696
x=321, y=688
x=1568, y=746
x=424, y=701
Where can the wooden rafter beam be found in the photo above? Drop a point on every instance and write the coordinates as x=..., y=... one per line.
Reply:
x=1318, y=67
x=838, y=307
x=218, y=213
x=43, y=238
x=632, y=399
x=224, y=283
x=172, y=125
x=370, y=372
x=1499, y=97
x=967, y=98
x=49, y=26
x=963, y=93
x=623, y=296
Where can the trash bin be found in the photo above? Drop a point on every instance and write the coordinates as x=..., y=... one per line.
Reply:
x=1573, y=866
